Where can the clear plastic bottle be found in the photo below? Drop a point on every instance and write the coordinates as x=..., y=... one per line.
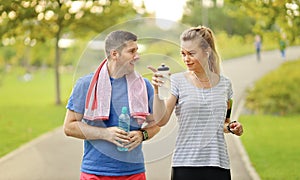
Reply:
x=164, y=90
x=124, y=123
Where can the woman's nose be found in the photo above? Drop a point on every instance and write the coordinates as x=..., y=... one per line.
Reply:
x=186, y=58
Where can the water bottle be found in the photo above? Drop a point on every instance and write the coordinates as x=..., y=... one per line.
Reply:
x=124, y=123
x=164, y=90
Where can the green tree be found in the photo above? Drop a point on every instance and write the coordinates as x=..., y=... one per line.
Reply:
x=41, y=20
x=219, y=17
x=281, y=16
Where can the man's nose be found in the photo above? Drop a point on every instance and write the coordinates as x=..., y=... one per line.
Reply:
x=136, y=56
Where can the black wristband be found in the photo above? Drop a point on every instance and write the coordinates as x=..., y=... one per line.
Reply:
x=145, y=134
x=228, y=127
x=228, y=113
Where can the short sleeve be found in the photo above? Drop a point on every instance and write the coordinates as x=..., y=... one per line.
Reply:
x=230, y=91
x=76, y=101
x=174, y=86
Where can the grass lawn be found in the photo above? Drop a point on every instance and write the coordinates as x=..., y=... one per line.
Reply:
x=273, y=146
x=28, y=108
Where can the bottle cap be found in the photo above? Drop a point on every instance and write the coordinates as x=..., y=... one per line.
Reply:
x=124, y=110
x=163, y=67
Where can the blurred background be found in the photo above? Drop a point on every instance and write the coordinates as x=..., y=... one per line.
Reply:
x=45, y=45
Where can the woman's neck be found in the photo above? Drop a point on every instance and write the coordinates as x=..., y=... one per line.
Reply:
x=203, y=76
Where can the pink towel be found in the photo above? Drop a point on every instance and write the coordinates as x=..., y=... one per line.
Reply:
x=97, y=105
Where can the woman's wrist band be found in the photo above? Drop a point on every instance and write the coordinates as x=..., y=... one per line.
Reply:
x=228, y=113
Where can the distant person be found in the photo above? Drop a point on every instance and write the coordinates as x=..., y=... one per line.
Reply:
x=282, y=47
x=95, y=105
x=27, y=77
x=258, y=45
x=202, y=99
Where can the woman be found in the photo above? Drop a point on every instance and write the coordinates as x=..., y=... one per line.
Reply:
x=201, y=97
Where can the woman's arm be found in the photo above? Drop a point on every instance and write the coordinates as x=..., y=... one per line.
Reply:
x=162, y=109
x=233, y=127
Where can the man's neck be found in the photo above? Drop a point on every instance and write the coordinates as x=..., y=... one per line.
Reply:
x=114, y=71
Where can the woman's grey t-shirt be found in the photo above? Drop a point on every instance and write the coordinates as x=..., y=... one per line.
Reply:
x=201, y=115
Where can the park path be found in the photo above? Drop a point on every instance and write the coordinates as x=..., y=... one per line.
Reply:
x=55, y=156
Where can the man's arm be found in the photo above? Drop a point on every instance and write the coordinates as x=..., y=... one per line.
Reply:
x=136, y=137
x=74, y=127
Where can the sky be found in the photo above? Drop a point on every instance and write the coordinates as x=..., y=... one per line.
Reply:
x=164, y=9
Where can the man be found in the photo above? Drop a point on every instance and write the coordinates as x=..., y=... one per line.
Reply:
x=95, y=105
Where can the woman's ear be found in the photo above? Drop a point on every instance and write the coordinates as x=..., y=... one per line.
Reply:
x=208, y=50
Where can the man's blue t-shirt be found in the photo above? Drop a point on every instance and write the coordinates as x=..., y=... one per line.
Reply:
x=102, y=157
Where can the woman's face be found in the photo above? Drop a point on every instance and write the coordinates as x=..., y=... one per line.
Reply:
x=193, y=56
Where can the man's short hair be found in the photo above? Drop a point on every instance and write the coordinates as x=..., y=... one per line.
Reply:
x=117, y=40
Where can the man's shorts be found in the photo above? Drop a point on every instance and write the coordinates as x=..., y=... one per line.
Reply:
x=85, y=176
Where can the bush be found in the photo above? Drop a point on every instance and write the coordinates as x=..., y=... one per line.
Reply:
x=277, y=92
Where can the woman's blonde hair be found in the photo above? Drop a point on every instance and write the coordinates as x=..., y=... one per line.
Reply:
x=206, y=40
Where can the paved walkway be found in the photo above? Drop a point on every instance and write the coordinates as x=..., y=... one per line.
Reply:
x=55, y=156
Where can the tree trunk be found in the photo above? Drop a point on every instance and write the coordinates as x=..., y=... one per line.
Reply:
x=56, y=69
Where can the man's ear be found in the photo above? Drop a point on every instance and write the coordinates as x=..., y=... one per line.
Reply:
x=114, y=54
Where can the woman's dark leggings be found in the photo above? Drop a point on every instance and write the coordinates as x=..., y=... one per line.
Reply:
x=200, y=173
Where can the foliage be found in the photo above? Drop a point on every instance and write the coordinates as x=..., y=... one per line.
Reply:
x=46, y=19
x=235, y=32
x=234, y=46
x=247, y=17
x=272, y=143
x=35, y=21
x=277, y=92
x=217, y=17
x=280, y=16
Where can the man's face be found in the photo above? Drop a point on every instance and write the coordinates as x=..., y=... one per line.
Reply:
x=128, y=57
